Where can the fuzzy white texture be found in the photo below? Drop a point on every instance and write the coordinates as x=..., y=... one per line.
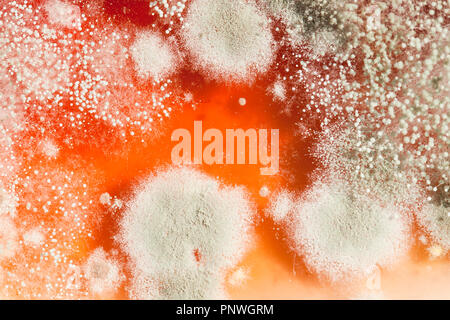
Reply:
x=281, y=204
x=230, y=40
x=183, y=231
x=49, y=148
x=103, y=273
x=8, y=202
x=238, y=277
x=153, y=57
x=279, y=90
x=63, y=14
x=105, y=199
x=33, y=237
x=436, y=220
x=8, y=238
x=343, y=237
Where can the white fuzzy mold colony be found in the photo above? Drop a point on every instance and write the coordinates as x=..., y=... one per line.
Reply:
x=33, y=237
x=357, y=219
x=436, y=221
x=153, y=57
x=63, y=14
x=343, y=237
x=278, y=90
x=281, y=204
x=230, y=40
x=48, y=148
x=183, y=231
x=102, y=273
x=238, y=277
x=9, y=242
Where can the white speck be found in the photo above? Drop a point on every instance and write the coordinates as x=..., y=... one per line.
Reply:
x=105, y=199
x=264, y=191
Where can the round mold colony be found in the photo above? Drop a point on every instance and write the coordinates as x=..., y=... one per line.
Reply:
x=153, y=58
x=102, y=273
x=63, y=14
x=183, y=231
x=230, y=40
x=342, y=237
